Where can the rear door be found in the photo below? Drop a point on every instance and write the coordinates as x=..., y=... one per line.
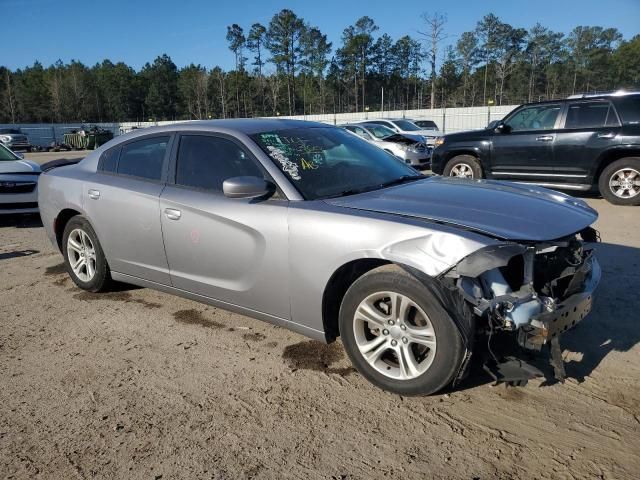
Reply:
x=122, y=203
x=524, y=149
x=589, y=128
x=231, y=250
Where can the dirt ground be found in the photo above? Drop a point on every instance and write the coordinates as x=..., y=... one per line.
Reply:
x=139, y=384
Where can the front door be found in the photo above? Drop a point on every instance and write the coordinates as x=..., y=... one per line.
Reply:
x=123, y=203
x=231, y=250
x=523, y=149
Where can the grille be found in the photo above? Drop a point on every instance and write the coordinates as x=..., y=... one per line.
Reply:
x=16, y=187
x=18, y=206
x=420, y=147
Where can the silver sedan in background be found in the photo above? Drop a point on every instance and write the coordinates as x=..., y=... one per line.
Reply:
x=306, y=226
x=18, y=183
x=409, y=148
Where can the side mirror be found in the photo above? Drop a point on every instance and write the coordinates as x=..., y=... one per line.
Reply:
x=502, y=127
x=19, y=155
x=247, y=187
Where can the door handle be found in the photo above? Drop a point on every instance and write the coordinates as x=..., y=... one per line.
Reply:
x=606, y=135
x=94, y=194
x=544, y=138
x=172, y=213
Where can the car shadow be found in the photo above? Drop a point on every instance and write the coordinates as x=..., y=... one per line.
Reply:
x=25, y=220
x=18, y=253
x=612, y=325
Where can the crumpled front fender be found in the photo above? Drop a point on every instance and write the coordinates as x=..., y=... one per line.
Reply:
x=435, y=252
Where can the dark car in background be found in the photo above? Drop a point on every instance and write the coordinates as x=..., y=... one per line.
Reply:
x=583, y=142
x=14, y=139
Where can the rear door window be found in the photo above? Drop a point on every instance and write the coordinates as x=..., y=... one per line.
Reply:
x=590, y=115
x=143, y=158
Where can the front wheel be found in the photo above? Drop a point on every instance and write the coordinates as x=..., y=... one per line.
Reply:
x=397, y=334
x=619, y=182
x=463, y=166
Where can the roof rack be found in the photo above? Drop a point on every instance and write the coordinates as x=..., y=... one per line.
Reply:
x=617, y=93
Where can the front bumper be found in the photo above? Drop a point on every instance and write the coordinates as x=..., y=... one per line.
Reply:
x=549, y=324
x=437, y=161
x=417, y=159
x=12, y=203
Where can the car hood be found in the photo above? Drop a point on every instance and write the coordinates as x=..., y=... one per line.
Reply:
x=468, y=135
x=500, y=209
x=19, y=166
x=403, y=138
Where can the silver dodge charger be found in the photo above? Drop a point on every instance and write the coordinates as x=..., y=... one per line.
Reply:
x=308, y=227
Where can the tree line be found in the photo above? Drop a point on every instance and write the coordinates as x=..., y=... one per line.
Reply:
x=290, y=67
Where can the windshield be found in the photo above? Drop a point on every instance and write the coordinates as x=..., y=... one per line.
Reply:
x=325, y=162
x=427, y=125
x=380, y=131
x=7, y=155
x=406, y=125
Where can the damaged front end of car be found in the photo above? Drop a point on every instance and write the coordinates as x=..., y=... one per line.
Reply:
x=530, y=293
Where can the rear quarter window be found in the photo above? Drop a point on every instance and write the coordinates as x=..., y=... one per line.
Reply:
x=629, y=110
x=109, y=160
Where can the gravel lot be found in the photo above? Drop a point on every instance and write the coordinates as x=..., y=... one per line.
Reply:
x=139, y=384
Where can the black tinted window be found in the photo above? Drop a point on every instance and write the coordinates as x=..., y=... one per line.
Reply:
x=109, y=160
x=206, y=162
x=143, y=158
x=590, y=115
x=629, y=109
x=535, y=117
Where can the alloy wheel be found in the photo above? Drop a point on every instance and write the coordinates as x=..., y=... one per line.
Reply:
x=462, y=170
x=394, y=335
x=625, y=183
x=82, y=255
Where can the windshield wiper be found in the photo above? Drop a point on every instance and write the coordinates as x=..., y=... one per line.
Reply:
x=346, y=193
x=396, y=181
x=400, y=180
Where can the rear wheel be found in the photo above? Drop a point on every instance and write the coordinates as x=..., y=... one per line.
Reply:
x=397, y=335
x=619, y=183
x=463, y=166
x=83, y=256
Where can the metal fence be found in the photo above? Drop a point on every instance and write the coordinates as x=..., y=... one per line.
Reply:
x=43, y=135
x=448, y=120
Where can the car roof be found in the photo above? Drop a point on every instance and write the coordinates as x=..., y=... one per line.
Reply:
x=247, y=126
x=573, y=98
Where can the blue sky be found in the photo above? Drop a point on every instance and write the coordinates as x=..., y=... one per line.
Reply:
x=136, y=31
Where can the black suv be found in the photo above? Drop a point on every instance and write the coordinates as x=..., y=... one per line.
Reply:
x=577, y=143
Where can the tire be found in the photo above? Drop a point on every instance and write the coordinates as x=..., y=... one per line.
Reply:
x=95, y=276
x=467, y=164
x=626, y=170
x=435, y=366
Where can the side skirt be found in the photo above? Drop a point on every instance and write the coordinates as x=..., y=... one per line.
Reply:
x=265, y=317
x=559, y=186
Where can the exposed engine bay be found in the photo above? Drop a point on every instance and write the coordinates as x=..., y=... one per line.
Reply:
x=533, y=292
